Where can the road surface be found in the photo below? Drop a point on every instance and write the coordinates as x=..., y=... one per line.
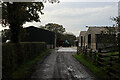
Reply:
x=61, y=65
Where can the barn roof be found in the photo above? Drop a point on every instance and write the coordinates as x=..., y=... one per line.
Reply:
x=33, y=27
x=97, y=30
x=82, y=33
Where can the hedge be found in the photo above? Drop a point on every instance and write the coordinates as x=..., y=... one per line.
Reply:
x=14, y=55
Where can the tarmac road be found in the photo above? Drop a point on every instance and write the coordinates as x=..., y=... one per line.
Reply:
x=61, y=65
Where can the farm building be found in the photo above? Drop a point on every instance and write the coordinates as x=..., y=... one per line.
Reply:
x=34, y=34
x=97, y=37
x=82, y=37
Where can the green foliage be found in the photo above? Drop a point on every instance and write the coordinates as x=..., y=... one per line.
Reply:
x=14, y=55
x=111, y=30
x=21, y=12
x=17, y=13
x=112, y=53
x=55, y=28
x=117, y=20
x=70, y=37
x=108, y=37
x=59, y=30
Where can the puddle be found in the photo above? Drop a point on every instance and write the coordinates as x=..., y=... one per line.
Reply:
x=47, y=65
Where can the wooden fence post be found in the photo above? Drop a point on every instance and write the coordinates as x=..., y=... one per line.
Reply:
x=85, y=50
x=90, y=54
x=110, y=65
x=99, y=56
x=111, y=59
x=99, y=50
x=77, y=50
x=95, y=57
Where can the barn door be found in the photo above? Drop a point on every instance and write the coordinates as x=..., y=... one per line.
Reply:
x=89, y=41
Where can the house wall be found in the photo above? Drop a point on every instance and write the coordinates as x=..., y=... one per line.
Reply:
x=83, y=38
x=93, y=42
x=93, y=39
x=80, y=41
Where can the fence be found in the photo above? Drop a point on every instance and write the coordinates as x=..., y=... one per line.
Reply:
x=107, y=59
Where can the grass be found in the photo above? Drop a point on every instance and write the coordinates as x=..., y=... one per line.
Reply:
x=89, y=64
x=112, y=53
x=25, y=69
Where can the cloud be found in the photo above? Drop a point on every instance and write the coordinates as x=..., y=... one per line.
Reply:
x=75, y=19
x=75, y=16
x=89, y=0
x=76, y=11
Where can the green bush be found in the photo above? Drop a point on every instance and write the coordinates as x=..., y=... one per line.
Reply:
x=14, y=55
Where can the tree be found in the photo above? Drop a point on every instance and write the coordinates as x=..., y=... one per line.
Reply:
x=58, y=29
x=117, y=20
x=55, y=28
x=15, y=14
x=6, y=33
x=70, y=37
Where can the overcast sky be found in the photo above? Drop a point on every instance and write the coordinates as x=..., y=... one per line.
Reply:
x=74, y=16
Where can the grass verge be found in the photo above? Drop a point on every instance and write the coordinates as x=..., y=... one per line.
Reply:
x=90, y=65
x=25, y=69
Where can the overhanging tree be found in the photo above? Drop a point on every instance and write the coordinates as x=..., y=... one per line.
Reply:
x=17, y=13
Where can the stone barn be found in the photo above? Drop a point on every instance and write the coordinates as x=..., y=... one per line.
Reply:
x=82, y=39
x=93, y=39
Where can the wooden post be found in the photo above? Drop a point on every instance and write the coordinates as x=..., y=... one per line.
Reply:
x=111, y=61
x=77, y=50
x=90, y=53
x=99, y=50
x=95, y=57
x=109, y=69
x=85, y=50
x=77, y=44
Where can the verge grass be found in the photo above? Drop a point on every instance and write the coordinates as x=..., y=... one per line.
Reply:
x=25, y=70
x=99, y=73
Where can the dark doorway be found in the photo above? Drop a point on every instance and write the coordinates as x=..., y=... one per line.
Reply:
x=89, y=41
x=81, y=41
x=84, y=41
